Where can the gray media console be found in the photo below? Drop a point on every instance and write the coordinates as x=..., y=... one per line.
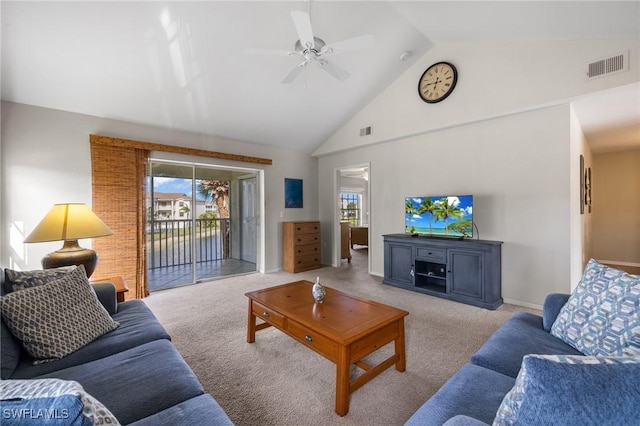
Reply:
x=467, y=271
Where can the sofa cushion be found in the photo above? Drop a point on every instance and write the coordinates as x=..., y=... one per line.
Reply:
x=553, y=304
x=19, y=280
x=520, y=335
x=10, y=352
x=68, y=314
x=138, y=382
x=473, y=391
x=190, y=412
x=60, y=402
x=602, y=316
x=573, y=390
x=464, y=421
x=138, y=326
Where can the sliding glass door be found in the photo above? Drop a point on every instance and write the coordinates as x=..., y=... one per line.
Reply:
x=193, y=230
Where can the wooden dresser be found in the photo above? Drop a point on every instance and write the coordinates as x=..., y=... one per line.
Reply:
x=300, y=246
x=345, y=253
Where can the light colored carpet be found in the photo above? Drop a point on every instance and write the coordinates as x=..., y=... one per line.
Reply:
x=277, y=381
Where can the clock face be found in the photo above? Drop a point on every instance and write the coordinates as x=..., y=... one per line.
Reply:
x=437, y=82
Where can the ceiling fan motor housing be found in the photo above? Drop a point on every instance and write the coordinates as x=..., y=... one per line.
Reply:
x=317, y=49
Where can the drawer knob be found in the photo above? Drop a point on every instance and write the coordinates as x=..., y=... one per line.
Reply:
x=265, y=313
x=308, y=338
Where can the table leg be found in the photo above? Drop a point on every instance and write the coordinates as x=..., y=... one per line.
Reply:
x=251, y=324
x=343, y=367
x=401, y=363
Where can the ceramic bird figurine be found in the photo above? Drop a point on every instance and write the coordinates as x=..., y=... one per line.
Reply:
x=318, y=291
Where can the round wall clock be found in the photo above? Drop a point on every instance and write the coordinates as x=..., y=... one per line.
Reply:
x=437, y=82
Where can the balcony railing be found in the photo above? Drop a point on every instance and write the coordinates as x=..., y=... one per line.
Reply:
x=169, y=241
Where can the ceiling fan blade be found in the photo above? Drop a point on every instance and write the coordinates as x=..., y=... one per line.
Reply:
x=334, y=70
x=271, y=52
x=302, y=21
x=351, y=44
x=294, y=73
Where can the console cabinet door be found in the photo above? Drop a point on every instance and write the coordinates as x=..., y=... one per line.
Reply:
x=399, y=263
x=466, y=273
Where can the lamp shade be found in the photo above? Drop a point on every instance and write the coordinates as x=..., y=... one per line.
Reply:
x=68, y=222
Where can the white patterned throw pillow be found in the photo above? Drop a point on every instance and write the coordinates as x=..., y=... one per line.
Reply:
x=58, y=318
x=602, y=316
x=58, y=401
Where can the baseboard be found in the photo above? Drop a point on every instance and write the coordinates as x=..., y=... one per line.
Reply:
x=523, y=304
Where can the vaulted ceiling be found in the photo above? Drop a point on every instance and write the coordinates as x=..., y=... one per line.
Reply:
x=185, y=65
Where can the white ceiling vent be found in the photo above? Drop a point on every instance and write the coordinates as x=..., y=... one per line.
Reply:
x=366, y=131
x=610, y=65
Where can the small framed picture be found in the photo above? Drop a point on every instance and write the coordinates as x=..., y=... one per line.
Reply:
x=582, y=186
x=292, y=193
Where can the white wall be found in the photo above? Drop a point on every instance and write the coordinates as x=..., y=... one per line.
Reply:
x=517, y=169
x=580, y=239
x=46, y=160
x=616, y=207
x=506, y=134
x=493, y=80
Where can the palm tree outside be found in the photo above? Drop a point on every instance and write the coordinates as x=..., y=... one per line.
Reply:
x=186, y=210
x=218, y=190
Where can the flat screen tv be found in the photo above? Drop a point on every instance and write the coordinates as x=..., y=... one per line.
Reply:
x=442, y=216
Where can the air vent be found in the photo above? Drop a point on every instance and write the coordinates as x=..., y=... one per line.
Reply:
x=366, y=131
x=610, y=65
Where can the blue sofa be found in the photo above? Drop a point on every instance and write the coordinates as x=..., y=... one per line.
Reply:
x=134, y=370
x=475, y=393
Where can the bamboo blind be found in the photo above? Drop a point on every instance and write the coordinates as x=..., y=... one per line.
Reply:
x=118, y=185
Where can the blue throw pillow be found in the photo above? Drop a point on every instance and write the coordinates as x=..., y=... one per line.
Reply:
x=571, y=390
x=602, y=316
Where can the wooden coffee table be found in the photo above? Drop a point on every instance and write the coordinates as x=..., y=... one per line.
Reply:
x=344, y=329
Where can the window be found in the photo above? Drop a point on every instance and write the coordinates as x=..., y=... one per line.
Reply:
x=350, y=208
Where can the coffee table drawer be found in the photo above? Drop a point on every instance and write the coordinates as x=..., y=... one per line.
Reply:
x=313, y=340
x=267, y=315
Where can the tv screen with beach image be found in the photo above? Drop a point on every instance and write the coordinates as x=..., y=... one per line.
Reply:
x=445, y=216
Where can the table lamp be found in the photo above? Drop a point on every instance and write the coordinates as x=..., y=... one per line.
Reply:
x=69, y=223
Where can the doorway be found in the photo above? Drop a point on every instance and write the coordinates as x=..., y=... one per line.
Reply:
x=201, y=223
x=352, y=197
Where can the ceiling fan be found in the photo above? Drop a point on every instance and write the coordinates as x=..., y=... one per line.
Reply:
x=314, y=50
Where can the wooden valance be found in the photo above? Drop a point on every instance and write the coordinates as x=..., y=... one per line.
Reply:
x=151, y=146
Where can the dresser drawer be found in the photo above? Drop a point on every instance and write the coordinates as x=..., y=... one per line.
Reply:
x=302, y=239
x=313, y=340
x=303, y=263
x=307, y=228
x=267, y=315
x=308, y=250
x=430, y=253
